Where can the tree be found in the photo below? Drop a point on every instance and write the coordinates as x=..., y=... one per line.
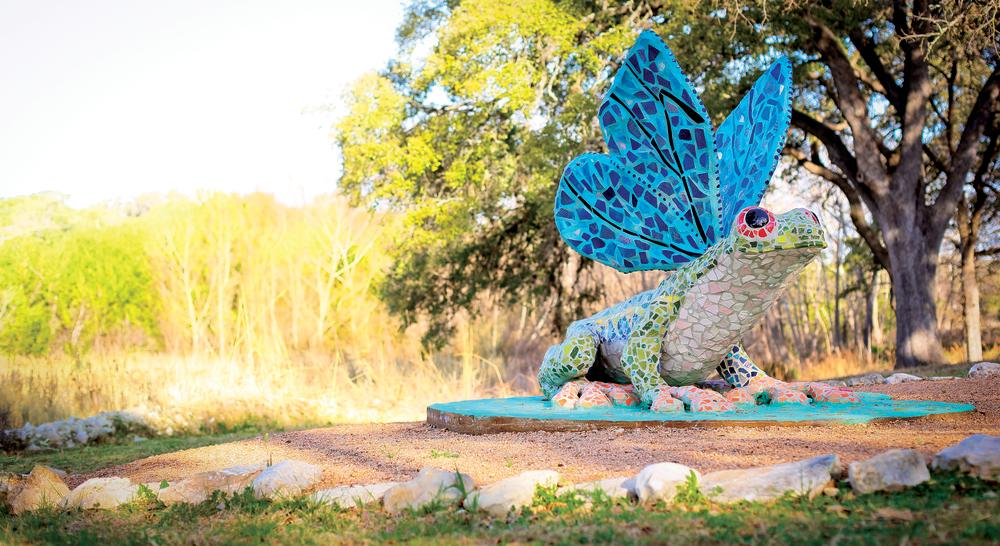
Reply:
x=972, y=210
x=894, y=105
x=469, y=141
x=907, y=93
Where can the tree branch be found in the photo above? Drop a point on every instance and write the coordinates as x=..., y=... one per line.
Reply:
x=826, y=134
x=888, y=84
x=907, y=179
x=856, y=209
x=982, y=113
x=852, y=105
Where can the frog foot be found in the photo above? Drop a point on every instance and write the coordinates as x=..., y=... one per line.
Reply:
x=767, y=390
x=697, y=400
x=664, y=402
x=593, y=394
x=821, y=392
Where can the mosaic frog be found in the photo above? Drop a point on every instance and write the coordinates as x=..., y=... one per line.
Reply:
x=672, y=194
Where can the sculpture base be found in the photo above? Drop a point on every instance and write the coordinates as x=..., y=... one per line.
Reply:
x=531, y=413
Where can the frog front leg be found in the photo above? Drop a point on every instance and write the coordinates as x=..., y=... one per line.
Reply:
x=751, y=384
x=641, y=362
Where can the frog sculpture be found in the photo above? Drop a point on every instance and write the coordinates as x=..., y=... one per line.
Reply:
x=674, y=195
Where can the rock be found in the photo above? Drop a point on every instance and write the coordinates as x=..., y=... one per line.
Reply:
x=430, y=485
x=869, y=379
x=835, y=383
x=941, y=378
x=891, y=470
x=978, y=455
x=515, y=492
x=42, y=487
x=199, y=487
x=984, y=369
x=8, y=482
x=660, y=481
x=286, y=479
x=614, y=488
x=101, y=493
x=900, y=377
x=353, y=496
x=807, y=477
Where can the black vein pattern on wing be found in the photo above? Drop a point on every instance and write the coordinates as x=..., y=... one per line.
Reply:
x=594, y=211
x=693, y=115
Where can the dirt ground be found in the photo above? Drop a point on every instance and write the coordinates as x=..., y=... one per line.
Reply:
x=356, y=454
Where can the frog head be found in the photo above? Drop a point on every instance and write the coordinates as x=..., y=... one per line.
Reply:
x=757, y=231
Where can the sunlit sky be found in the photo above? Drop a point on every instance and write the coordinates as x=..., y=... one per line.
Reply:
x=110, y=99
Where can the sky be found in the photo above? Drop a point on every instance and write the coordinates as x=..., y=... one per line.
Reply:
x=110, y=99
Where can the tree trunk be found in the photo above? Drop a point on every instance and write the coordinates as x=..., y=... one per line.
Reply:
x=913, y=272
x=876, y=329
x=970, y=291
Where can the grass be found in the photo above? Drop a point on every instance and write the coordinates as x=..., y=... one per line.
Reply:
x=951, y=509
x=94, y=457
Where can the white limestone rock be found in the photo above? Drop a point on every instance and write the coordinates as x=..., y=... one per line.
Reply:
x=806, y=477
x=892, y=470
x=984, y=369
x=660, y=481
x=430, y=485
x=978, y=455
x=9, y=481
x=515, y=492
x=199, y=487
x=41, y=487
x=614, y=488
x=900, y=377
x=105, y=493
x=353, y=496
x=286, y=479
x=869, y=379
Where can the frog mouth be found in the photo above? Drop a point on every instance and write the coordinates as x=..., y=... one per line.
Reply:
x=812, y=245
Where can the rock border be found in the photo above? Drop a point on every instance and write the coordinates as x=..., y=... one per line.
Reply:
x=435, y=488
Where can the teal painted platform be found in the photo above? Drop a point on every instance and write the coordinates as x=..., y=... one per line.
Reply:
x=532, y=413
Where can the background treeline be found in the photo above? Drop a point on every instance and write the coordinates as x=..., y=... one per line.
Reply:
x=227, y=310
x=221, y=307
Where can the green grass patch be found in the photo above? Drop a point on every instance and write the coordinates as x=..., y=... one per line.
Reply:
x=94, y=457
x=949, y=510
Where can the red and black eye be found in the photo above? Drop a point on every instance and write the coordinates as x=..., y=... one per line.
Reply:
x=755, y=222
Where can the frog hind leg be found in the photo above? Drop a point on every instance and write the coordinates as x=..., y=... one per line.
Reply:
x=565, y=362
x=751, y=384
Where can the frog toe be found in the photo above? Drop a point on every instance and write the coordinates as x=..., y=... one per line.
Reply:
x=665, y=403
x=822, y=392
x=591, y=396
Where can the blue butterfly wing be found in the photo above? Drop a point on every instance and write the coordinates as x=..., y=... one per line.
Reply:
x=606, y=213
x=750, y=140
x=655, y=126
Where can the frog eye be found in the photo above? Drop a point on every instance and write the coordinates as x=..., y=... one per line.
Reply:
x=755, y=222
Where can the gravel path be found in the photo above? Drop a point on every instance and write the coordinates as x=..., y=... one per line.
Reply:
x=354, y=454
